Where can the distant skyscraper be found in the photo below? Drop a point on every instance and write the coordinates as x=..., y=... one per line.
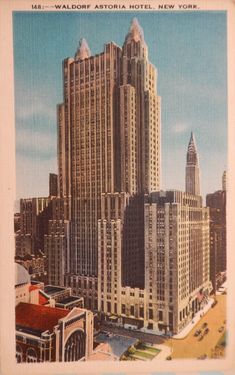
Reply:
x=34, y=216
x=53, y=185
x=218, y=257
x=224, y=181
x=192, y=175
x=56, y=245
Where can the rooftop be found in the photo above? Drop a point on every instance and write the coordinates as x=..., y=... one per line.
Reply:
x=69, y=299
x=52, y=289
x=21, y=275
x=38, y=318
x=114, y=344
x=43, y=300
x=103, y=352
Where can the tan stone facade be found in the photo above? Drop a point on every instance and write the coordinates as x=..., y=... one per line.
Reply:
x=108, y=136
x=176, y=247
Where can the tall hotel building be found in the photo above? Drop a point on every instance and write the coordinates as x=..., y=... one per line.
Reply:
x=136, y=256
x=109, y=138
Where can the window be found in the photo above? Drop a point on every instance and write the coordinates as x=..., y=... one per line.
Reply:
x=31, y=355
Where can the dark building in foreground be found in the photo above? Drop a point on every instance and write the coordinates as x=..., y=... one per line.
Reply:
x=218, y=254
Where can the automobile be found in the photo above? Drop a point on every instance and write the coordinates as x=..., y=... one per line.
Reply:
x=206, y=330
x=203, y=356
x=197, y=333
x=214, y=303
x=200, y=337
x=169, y=358
x=204, y=325
x=221, y=329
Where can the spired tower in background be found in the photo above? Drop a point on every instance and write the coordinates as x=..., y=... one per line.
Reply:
x=108, y=140
x=192, y=175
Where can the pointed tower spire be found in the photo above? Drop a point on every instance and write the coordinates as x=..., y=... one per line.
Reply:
x=192, y=156
x=135, y=32
x=83, y=51
x=192, y=175
x=134, y=45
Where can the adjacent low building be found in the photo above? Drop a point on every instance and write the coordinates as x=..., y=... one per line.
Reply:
x=47, y=334
x=50, y=324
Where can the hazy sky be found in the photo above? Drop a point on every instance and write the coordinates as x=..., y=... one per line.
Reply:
x=189, y=51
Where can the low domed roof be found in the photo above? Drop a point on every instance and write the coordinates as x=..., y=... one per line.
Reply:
x=21, y=275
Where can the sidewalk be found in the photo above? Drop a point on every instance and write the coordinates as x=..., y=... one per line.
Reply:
x=195, y=320
x=165, y=352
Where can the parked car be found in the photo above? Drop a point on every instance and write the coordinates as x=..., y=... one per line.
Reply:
x=204, y=325
x=221, y=329
x=197, y=333
x=214, y=303
x=200, y=337
x=203, y=356
x=206, y=330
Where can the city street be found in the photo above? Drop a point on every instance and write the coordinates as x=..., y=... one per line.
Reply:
x=145, y=337
x=190, y=346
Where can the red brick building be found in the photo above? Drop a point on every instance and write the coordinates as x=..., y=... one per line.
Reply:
x=47, y=334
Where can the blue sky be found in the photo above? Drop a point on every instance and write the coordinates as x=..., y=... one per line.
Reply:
x=189, y=51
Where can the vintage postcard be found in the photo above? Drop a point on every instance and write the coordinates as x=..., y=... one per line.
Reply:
x=117, y=133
